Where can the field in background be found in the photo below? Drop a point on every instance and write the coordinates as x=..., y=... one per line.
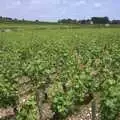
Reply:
x=71, y=66
x=54, y=25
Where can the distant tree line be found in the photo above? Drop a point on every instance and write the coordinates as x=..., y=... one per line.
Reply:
x=93, y=20
x=100, y=20
x=15, y=20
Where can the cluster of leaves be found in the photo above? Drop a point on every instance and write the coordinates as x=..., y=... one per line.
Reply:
x=8, y=73
x=28, y=111
x=110, y=102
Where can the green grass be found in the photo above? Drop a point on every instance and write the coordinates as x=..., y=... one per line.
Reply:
x=41, y=26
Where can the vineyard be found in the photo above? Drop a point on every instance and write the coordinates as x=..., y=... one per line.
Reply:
x=60, y=69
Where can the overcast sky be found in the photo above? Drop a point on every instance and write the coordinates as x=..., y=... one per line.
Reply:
x=57, y=9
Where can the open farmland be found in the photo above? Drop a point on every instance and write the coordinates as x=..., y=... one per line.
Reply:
x=63, y=68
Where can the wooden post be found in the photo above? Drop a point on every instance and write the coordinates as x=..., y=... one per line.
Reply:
x=93, y=106
x=40, y=97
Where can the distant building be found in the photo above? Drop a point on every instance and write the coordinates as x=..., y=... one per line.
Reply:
x=115, y=22
x=91, y=22
x=107, y=25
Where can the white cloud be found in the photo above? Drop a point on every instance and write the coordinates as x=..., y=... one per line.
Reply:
x=17, y=3
x=81, y=2
x=35, y=2
x=97, y=5
x=13, y=4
